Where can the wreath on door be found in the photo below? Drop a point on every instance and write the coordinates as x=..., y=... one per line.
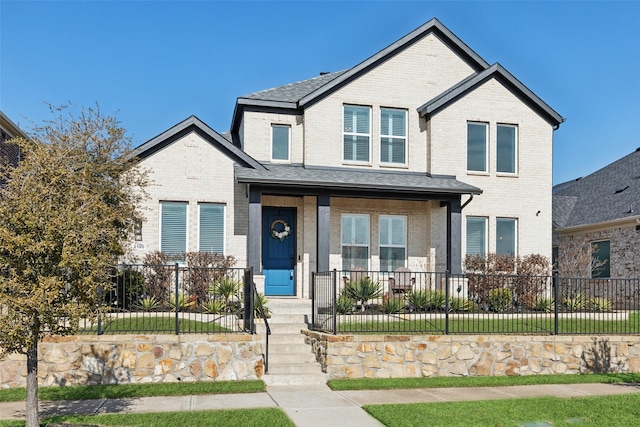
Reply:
x=280, y=229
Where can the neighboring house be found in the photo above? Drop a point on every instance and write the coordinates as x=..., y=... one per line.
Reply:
x=417, y=155
x=9, y=153
x=603, y=211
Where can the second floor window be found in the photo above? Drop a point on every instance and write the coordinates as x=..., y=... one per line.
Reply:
x=477, y=147
x=393, y=136
x=356, y=133
x=506, y=149
x=280, y=143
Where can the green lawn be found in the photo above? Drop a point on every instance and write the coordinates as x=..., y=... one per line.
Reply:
x=486, y=324
x=114, y=391
x=622, y=410
x=152, y=323
x=263, y=417
x=439, y=382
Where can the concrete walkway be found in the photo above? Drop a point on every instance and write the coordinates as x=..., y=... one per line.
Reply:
x=317, y=405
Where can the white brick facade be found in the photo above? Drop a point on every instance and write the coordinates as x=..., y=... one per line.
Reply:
x=193, y=170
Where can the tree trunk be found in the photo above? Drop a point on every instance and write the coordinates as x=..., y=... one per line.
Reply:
x=32, y=411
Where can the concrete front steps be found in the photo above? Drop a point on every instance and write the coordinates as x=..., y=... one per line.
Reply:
x=291, y=361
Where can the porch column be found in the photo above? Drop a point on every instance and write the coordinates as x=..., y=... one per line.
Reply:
x=254, y=235
x=323, y=231
x=454, y=236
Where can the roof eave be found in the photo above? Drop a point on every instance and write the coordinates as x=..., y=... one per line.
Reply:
x=497, y=71
x=631, y=220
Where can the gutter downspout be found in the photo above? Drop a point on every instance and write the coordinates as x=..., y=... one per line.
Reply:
x=467, y=202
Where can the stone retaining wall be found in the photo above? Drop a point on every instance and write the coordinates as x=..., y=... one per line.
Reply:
x=111, y=359
x=402, y=356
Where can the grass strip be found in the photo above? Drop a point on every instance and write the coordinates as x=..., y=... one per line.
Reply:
x=440, y=382
x=611, y=411
x=153, y=324
x=489, y=324
x=264, y=417
x=115, y=391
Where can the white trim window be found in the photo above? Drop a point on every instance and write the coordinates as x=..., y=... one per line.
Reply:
x=507, y=149
x=476, y=235
x=393, y=136
x=355, y=241
x=356, y=134
x=173, y=227
x=506, y=236
x=280, y=143
x=477, y=147
x=211, y=229
x=393, y=242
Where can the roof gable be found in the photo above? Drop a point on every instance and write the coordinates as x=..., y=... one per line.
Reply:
x=299, y=95
x=194, y=124
x=496, y=71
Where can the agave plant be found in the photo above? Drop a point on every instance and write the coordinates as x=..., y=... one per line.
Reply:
x=184, y=302
x=393, y=305
x=574, y=301
x=363, y=290
x=463, y=304
x=213, y=306
x=261, y=302
x=544, y=304
x=226, y=288
x=601, y=304
x=149, y=303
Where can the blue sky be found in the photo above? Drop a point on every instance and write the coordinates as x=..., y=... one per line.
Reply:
x=156, y=63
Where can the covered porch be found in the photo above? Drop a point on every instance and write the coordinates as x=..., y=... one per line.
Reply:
x=316, y=205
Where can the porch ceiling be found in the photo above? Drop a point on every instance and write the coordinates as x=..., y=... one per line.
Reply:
x=354, y=182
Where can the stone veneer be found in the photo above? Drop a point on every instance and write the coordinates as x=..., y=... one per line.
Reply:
x=111, y=359
x=406, y=356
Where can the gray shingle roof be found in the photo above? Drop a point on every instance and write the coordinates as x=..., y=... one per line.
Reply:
x=293, y=92
x=608, y=194
x=354, y=179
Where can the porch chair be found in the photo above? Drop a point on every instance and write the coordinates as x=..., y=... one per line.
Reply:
x=402, y=281
x=354, y=276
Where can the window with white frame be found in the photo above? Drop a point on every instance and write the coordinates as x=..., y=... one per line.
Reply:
x=356, y=133
x=173, y=227
x=506, y=236
x=477, y=147
x=506, y=149
x=211, y=228
x=280, y=146
x=393, y=136
x=355, y=241
x=476, y=235
x=393, y=242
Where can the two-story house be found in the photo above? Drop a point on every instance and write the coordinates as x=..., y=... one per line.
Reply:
x=414, y=157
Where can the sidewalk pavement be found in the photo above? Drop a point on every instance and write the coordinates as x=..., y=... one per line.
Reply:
x=311, y=406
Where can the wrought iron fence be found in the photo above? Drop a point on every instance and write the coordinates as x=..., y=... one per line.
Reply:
x=443, y=303
x=146, y=298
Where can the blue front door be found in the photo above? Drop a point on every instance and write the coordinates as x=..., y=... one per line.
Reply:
x=278, y=250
